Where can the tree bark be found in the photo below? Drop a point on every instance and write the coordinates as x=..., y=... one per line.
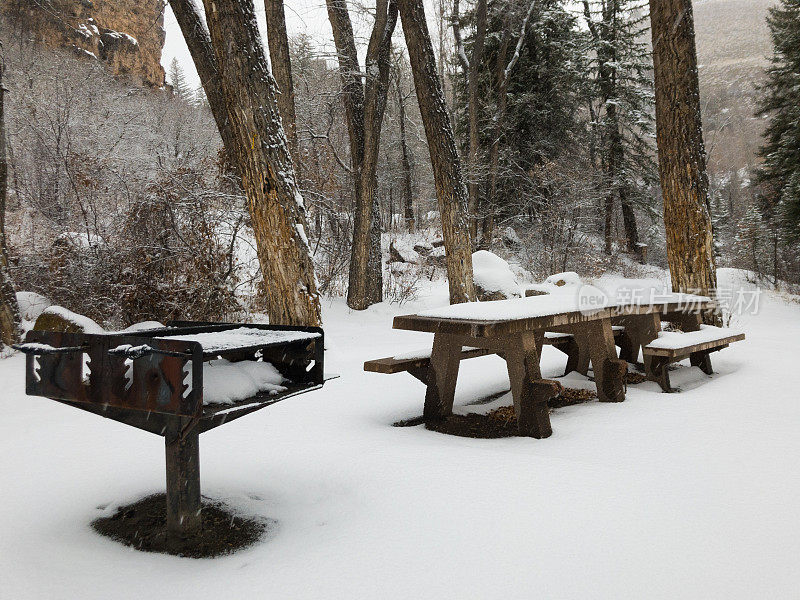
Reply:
x=471, y=74
x=450, y=191
x=9, y=310
x=365, y=105
x=405, y=161
x=281, y=63
x=199, y=44
x=241, y=91
x=501, y=83
x=681, y=153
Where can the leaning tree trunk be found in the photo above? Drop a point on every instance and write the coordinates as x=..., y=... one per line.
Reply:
x=450, y=191
x=9, y=310
x=681, y=154
x=281, y=62
x=199, y=44
x=264, y=164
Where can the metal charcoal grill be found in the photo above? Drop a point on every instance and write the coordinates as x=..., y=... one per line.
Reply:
x=153, y=380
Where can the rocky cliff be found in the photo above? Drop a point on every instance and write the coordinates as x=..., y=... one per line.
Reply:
x=128, y=35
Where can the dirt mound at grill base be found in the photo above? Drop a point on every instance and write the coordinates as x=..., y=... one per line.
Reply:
x=143, y=526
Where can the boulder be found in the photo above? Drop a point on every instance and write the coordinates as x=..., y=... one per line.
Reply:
x=493, y=277
x=402, y=251
x=510, y=237
x=437, y=257
x=423, y=248
x=568, y=278
x=58, y=318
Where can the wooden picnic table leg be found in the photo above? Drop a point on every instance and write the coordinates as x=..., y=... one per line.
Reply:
x=609, y=371
x=640, y=330
x=691, y=321
x=530, y=392
x=442, y=376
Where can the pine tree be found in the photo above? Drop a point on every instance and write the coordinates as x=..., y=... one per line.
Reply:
x=177, y=79
x=779, y=176
x=529, y=114
x=621, y=109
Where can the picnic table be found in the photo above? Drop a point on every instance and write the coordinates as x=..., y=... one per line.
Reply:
x=517, y=329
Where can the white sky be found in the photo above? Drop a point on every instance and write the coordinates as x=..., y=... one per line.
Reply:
x=302, y=16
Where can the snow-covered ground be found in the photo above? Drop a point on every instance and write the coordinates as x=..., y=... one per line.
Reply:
x=686, y=495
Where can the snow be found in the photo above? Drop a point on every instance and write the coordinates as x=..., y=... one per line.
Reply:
x=80, y=240
x=225, y=382
x=522, y=308
x=568, y=278
x=143, y=326
x=240, y=337
x=31, y=305
x=405, y=249
x=86, y=324
x=677, y=339
x=423, y=353
x=493, y=274
x=692, y=494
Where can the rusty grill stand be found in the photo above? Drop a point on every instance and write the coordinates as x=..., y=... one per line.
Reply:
x=183, y=481
x=141, y=380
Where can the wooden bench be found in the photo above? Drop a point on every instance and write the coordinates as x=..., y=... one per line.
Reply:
x=671, y=347
x=417, y=363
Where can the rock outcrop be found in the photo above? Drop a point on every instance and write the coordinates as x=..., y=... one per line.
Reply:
x=127, y=35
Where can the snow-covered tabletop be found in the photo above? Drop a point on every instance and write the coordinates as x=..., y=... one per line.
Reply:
x=587, y=301
x=518, y=308
x=242, y=337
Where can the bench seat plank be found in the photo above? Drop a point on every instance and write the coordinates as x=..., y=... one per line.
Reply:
x=674, y=344
x=415, y=360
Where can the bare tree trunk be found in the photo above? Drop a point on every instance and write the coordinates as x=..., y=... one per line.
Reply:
x=501, y=84
x=282, y=71
x=405, y=162
x=681, y=154
x=629, y=221
x=471, y=74
x=450, y=191
x=199, y=44
x=9, y=310
x=365, y=105
x=241, y=91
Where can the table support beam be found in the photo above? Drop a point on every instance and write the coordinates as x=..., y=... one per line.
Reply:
x=609, y=371
x=442, y=376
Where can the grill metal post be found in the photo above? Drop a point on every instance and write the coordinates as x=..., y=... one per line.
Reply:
x=183, y=480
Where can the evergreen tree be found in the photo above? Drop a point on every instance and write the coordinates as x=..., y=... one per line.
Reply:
x=177, y=79
x=621, y=109
x=530, y=115
x=779, y=175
